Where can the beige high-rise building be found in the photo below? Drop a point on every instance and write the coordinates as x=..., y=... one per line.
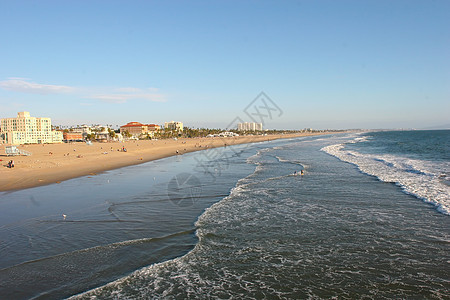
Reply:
x=178, y=126
x=250, y=126
x=28, y=130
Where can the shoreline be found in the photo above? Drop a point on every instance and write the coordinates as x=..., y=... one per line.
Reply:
x=53, y=163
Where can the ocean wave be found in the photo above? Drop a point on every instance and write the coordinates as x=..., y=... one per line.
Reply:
x=425, y=180
x=97, y=249
x=282, y=160
x=178, y=267
x=208, y=270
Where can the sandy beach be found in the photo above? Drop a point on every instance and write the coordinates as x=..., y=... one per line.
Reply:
x=53, y=163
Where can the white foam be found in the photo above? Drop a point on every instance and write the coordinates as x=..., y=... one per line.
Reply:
x=280, y=159
x=252, y=159
x=179, y=266
x=422, y=179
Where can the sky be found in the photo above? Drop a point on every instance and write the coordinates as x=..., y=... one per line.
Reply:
x=288, y=64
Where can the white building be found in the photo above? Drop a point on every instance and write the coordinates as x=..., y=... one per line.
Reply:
x=227, y=134
x=85, y=129
x=250, y=126
x=28, y=130
x=178, y=126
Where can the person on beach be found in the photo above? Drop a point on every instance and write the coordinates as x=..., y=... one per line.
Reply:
x=11, y=164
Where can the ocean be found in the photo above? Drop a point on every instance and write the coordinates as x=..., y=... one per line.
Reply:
x=368, y=219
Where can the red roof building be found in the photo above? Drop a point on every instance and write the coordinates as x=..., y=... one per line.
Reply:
x=136, y=128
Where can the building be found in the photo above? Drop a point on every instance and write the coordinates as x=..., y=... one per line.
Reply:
x=250, y=126
x=178, y=126
x=84, y=130
x=134, y=128
x=137, y=129
x=227, y=134
x=28, y=130
x=73, y=136
x=153, y=127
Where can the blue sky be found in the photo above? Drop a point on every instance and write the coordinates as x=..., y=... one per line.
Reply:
x=325, y=64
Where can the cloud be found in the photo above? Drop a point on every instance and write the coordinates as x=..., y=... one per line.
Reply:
x=24, y=86
x=109, y=95
x=122, y=95
x=128, y=90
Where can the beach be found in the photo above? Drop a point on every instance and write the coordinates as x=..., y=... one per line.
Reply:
x=53, y=163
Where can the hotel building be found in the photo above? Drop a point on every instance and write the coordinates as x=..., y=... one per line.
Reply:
x=28, y=130
x=137, y=129
x=250, y=126
x=178, y=126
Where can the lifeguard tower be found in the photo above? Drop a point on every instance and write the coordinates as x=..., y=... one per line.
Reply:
x=13, y=150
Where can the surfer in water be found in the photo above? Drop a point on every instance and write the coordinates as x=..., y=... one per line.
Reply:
x=301, y=172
